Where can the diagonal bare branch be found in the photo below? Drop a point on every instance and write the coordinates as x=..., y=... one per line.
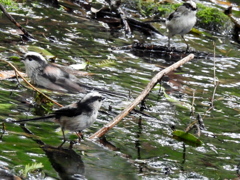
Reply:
x=144, y=93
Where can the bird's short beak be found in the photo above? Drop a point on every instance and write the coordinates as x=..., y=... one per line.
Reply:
x=22, y=59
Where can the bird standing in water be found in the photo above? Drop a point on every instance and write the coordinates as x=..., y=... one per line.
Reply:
x=55, y=78
x=49, y=75
x=77, y=116
x=181, y=21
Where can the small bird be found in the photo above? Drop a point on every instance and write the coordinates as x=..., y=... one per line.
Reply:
x=49, y=75
x=182, y=20
x=77, y=116
x=53, y=77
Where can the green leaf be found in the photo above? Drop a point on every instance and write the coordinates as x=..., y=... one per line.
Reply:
x=107, y=62
x=42, y=51
x=14, y=58
x=30, y=168
x=4, y=107
x=187, y=138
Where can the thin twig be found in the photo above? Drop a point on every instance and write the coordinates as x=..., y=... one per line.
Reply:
x=193, y=101
x=34, y=88
x=3, y=130
x=14, y=21
x=215, y=80
x=214, y=92
x=198, y=130
x=214, y=64
x=144, y=93
x=190, y=126
x=200, y=121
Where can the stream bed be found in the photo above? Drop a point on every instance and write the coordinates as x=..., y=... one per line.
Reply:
x=141, y=146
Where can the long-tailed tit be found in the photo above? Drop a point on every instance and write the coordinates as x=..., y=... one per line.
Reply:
x=53, y=77
x=48, y=75
x=77, y=116
x=181, y=20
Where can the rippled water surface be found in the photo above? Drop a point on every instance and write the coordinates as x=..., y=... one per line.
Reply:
x=141, y=145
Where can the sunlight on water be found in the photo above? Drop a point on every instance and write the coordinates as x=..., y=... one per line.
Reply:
x=141, y=146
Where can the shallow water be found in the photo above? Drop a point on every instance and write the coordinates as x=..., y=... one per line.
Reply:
x=141, y=145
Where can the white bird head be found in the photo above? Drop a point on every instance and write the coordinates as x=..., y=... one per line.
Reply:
x=33, y=60
x=93, y=100
x=190, y=5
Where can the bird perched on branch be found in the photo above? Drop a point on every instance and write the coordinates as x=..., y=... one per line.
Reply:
x=181, y=20
x=54, y=77
x=77, y=116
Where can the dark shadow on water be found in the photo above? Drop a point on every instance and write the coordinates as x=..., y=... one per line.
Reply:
x=66, y=162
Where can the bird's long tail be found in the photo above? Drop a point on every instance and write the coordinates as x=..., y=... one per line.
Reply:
x=33, y=119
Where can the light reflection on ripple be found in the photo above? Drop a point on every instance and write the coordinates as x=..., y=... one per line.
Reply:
x=230, y=167
x=139, y=72
x=233, y=135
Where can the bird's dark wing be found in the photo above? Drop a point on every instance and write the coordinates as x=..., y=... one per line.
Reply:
x=69, y=111
x=170, y=16
x=174, y=15
x=84, y=106
x=72, y=110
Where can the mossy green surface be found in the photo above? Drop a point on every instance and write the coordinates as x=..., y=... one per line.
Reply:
x=10, y=5
x=211, y=18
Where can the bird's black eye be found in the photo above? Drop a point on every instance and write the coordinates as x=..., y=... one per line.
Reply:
x=30, y=58
x=100, y=99
x=189, y=6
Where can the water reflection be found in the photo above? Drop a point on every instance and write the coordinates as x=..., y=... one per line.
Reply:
x=66, y=162
x=74, y=164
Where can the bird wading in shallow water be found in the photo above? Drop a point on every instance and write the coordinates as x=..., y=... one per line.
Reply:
x=77, y=116
x=55, y=78
x=181, y=21
x=48, y=75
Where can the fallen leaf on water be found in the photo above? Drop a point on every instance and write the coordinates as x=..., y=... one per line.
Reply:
x=71, y=70
x=9, y=74
x=187, y=138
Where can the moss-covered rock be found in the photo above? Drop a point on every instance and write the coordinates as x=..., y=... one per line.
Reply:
x=166, y=9
x=212, y=19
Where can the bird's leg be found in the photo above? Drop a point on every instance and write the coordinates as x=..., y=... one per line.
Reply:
x=169, y=42
x=80, y=136
x=185, y=42
x=71, y=144
x=64, y=138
